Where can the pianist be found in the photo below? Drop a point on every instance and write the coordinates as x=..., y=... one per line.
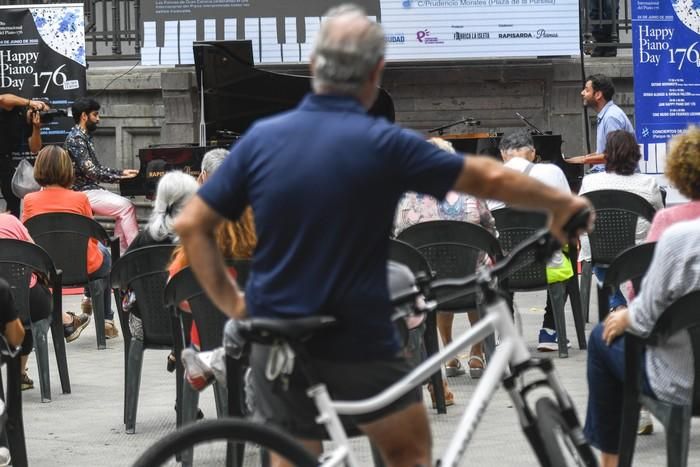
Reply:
x=89, y=173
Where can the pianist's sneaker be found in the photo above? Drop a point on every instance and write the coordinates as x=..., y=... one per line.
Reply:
x=548, y=341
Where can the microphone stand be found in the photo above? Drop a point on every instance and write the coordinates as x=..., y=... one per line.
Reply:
x=441, y=129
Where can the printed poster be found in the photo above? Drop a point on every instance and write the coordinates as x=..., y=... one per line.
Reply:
x=666, y=47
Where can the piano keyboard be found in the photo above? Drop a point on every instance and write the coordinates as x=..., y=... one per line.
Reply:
x=275, y=39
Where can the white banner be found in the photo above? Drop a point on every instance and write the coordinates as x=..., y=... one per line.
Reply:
x=416, y=30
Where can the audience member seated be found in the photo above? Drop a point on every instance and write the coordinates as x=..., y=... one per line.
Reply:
x=518, y=153
x=416, y=208
x=174, y=190
x=667, y=368
x=235, y=240
x=683, y=171
x=53, y=170
x=10, y=324
x=621, y=158
x=40, y=304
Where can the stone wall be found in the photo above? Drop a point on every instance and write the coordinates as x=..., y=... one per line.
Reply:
x=161, y=105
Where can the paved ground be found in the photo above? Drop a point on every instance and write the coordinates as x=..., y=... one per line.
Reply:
x=85, y=428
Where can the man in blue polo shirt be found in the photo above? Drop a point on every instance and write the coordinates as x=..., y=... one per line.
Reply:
x=324, y=180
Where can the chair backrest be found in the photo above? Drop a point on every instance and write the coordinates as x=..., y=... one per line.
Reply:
x=144, y=271
x=403, y=253
x=18, y=259
x=452, y=249
x=514, y=226
x=209, y=319
x=630, y=265
x=683, y=314
x=616, y=215
x=65, y=237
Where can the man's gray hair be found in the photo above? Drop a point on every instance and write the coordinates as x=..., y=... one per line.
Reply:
x=516, y=140
x=343, y=57
x=174, y=190
x=213, y=159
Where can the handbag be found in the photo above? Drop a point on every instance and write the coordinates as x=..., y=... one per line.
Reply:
x=23, y=181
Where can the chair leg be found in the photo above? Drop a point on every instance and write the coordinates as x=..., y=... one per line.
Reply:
x=586, y=277
x=15, y=423
x=96, y=295
x=575, y=301
x=557, y=293
x=677, y=436
x=190, y=403
x=133, y=383
x=430, y=339
x=221, y=399
x=41, y=347
x=628, y=430
x=59, y=347
x=236, y=400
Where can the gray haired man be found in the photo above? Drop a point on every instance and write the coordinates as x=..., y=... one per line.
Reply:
x=324, y=180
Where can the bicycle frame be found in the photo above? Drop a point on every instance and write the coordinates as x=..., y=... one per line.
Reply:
x=511, y=352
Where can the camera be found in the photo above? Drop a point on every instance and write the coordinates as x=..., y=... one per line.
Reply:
x=49, y=115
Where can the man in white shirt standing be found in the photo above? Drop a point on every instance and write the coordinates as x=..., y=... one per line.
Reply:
x=518, y=153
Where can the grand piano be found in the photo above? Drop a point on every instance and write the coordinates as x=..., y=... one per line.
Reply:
x=235, y=93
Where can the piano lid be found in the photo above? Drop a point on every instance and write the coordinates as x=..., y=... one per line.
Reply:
x=236, y=93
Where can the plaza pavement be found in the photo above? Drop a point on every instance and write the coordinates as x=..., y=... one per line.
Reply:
x=85, y=428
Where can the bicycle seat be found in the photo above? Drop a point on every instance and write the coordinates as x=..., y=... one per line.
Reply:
x=266, y=330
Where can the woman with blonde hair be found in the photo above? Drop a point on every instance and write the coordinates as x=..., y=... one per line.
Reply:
x=236, y=240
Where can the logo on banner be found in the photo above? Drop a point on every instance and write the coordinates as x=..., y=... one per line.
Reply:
x=395, y=38
x=515, y=35
x=465, y=36
x=543, y=34
x=423, y=36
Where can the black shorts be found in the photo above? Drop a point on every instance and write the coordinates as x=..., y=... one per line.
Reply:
x=291, y=408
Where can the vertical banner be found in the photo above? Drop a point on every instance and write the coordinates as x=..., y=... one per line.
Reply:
x=42, y=56
x=666, y=42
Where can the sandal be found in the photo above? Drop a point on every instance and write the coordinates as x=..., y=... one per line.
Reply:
x=171, y=362
x=449, y=397
x=475, y=372
x=454, y=368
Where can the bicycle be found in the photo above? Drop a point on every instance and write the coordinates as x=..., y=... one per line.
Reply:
x=553, y=429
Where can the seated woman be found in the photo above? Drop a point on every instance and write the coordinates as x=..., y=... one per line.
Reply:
x=416, y=208
x=621, y=158
x=53, y=170
x=10, y=325
x=40, y=304
x=668, y=369
x=236, y=240
x=174, y=190
x=683, y=171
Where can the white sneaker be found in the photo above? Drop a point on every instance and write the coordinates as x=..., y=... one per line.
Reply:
x=646, y=425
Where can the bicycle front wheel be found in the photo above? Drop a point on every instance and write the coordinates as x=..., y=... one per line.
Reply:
x=565, y=444
x=207, y=442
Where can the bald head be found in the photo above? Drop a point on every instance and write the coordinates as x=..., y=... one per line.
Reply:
x=348, y=50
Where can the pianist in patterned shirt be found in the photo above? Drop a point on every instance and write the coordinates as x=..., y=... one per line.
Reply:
x=89, y=173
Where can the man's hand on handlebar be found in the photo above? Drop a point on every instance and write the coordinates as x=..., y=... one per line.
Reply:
x=564, y=230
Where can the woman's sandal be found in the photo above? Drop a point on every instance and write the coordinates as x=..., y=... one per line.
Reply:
x=449, y=397
x=454, y=368
x=475, y=372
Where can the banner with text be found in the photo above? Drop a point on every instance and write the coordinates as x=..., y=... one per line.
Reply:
x=42, y=56
x=666, y=46
x=416, y=30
